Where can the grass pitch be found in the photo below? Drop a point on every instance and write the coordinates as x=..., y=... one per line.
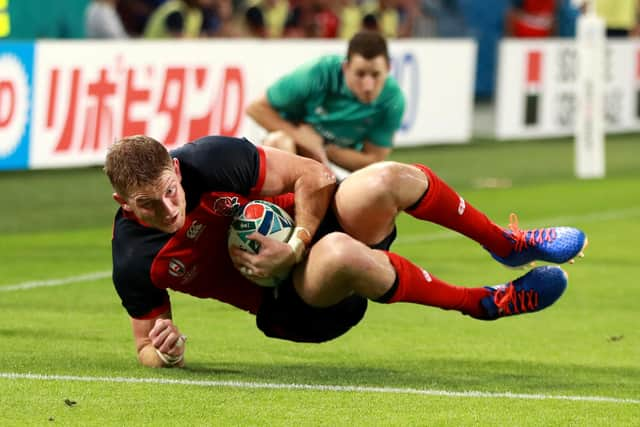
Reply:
x=68, y=357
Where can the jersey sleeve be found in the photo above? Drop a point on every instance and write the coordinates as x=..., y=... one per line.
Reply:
x=392, y=110
x=133, y=250
x=291, y=92
x=218, y=163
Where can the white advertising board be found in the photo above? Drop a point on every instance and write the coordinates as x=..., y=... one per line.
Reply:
x=536, y=88
x=88, y=93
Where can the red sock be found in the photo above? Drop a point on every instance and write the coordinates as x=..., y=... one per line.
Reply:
x=416, y=285
x=443, y=206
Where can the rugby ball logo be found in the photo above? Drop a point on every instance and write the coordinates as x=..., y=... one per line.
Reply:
x=267, y=219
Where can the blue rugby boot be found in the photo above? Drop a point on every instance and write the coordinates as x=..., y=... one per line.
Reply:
x=535, y=291
x=553, y=244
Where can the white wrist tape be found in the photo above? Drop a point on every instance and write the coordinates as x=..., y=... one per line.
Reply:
x=300, y=238
x=180, y=342
x=169, y=359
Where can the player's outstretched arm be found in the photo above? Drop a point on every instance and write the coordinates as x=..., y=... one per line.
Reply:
x=159, y=343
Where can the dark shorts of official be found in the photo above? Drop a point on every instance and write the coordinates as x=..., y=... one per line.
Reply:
x=283, y=314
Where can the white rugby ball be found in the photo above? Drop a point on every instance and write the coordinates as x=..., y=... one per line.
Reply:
x=267, y=219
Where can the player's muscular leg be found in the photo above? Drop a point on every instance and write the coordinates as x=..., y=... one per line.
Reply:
x=368, y=201
x=281, y=141
x=339, y=266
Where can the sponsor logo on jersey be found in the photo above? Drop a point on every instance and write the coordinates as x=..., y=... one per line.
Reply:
x=176, y=267
x=426, y=275
x=461, y=206
x=195, y=230
x=226, y=206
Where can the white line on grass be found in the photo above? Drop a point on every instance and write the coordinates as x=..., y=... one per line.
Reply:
x=402, y=240
x=56, y=282
x=317, y=387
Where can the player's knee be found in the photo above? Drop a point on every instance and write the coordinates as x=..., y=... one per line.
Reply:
x=337, y=252
x=385, y=176
x=280, y=140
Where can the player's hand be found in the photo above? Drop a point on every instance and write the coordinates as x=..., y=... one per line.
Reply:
x=274, y=259
x=166, y=337
x=310, y=143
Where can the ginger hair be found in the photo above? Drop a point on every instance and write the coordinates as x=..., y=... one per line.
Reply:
x=136, y=161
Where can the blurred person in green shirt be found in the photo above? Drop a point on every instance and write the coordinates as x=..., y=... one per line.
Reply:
x=342, y=111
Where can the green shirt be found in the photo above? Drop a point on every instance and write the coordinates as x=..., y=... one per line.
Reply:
x=316, y=94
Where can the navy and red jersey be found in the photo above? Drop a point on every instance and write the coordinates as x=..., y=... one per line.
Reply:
x=219, y=174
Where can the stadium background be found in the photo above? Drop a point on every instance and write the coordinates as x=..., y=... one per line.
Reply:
x=67, y=355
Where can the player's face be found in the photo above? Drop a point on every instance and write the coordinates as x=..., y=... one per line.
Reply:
x=366, y=77
x=162, y=204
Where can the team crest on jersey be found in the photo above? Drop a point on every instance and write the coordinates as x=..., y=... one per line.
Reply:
x=190, y=275
x=226, y=206
x=320, y=111
x=195, y=230
x=461, y=206
x=176, y=267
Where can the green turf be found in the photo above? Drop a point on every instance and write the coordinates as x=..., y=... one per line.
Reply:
x=57, y=224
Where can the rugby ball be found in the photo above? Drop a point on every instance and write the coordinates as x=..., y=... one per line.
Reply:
x=267, y=219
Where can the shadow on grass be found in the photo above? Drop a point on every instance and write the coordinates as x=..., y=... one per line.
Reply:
x=441, y=374
x=406, y=371
x=447, y=374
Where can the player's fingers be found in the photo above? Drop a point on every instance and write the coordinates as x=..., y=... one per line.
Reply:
x=172, y=343
x=236, y=252
x=179, y=343
x=160, y=339
x=159, y=326
x=252, y=271
x=258, y=237
x=240, y=257
x=243, y=264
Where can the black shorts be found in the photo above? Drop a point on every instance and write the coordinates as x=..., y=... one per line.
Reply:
x=283, y=314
